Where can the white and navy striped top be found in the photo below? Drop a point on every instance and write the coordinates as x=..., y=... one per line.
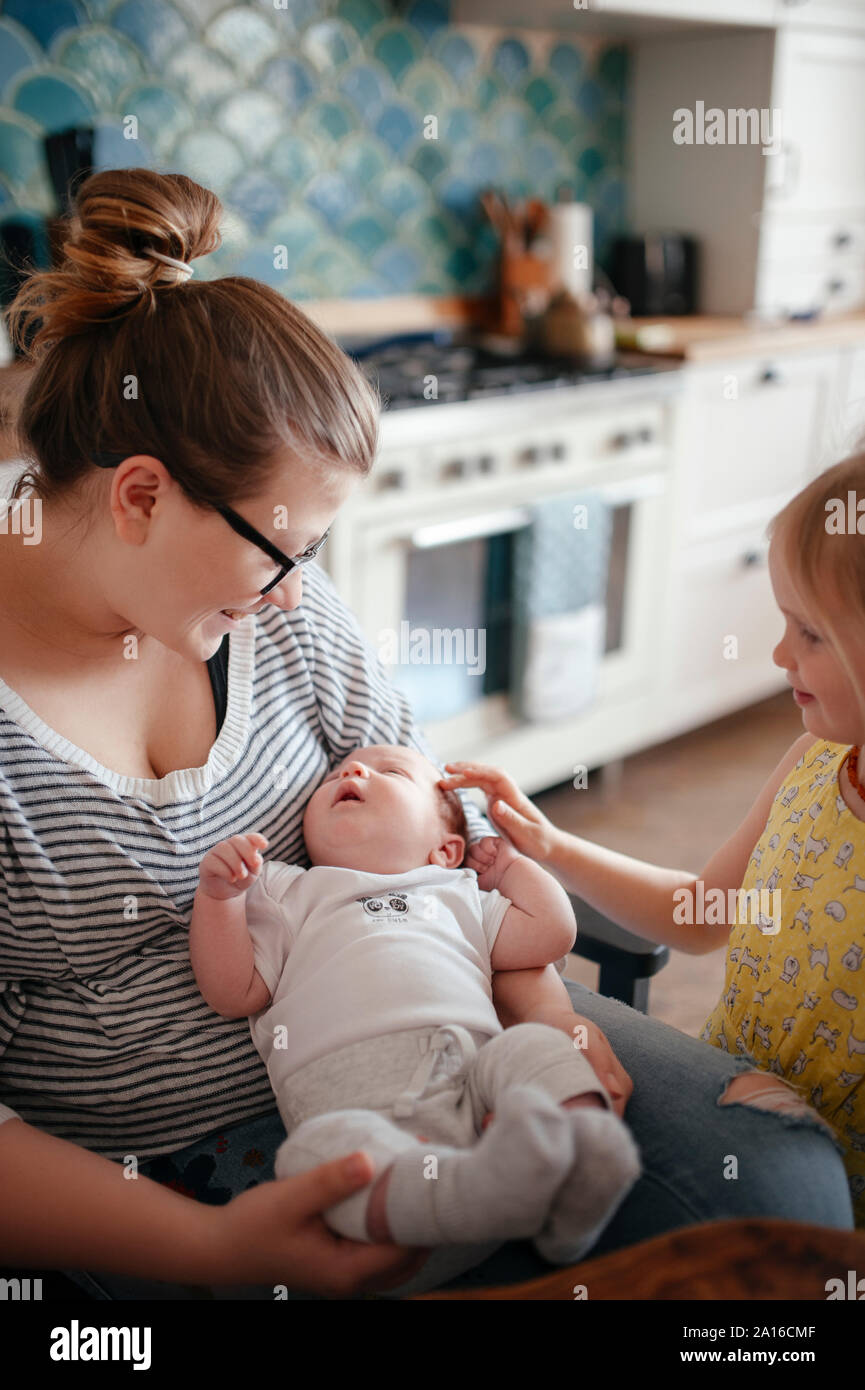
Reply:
x=105, y=1039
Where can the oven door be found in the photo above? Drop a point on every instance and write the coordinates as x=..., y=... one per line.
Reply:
x=436, y=602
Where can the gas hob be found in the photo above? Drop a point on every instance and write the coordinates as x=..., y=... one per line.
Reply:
x=428, y=370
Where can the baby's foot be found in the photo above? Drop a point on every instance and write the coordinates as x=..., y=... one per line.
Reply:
x=606, y=1166
x=500, y=1189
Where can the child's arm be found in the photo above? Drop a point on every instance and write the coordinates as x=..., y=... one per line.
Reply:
x=220, y=946
x=539, y=925
x=637, y=895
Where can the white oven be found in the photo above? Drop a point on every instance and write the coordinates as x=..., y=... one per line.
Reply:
x=432, y=552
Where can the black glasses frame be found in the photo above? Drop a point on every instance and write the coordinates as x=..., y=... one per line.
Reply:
x=243, y=528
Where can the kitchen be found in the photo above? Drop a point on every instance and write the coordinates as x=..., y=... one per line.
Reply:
x=606, y=265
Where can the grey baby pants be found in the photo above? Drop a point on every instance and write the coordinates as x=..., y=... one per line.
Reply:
x=433, y=1085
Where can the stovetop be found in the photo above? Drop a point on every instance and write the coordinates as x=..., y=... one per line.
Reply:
x=402, y=367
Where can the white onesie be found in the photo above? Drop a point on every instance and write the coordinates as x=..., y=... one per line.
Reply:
x=349, y=956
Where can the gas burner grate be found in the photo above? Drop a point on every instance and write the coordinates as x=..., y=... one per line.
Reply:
x=462, y=372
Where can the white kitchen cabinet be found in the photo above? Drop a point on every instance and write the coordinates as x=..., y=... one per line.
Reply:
x=830, y=239
x=850, y=425
x=751, y=433
x=725, y=624
x=819, y=89
x=812, y=232
x=698, y=11
x=788, y=287
x=779, y=213
x=614, y=18
x=823, y=14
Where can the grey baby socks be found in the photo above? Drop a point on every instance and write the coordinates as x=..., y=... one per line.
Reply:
x=606, y=1165
x=501, y=1188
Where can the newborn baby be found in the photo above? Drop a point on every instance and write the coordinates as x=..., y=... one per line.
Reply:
x=367, y=979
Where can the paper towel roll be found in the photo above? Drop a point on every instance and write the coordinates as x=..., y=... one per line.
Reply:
x=571, y=236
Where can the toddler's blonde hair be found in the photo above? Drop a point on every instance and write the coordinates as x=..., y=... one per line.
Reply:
x=828, y=569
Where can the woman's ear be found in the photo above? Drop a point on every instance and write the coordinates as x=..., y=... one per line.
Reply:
x=450, y=853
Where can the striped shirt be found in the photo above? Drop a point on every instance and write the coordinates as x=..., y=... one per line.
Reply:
x=105, y=1039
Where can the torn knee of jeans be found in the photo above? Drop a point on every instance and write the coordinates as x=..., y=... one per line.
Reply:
x=769, y=1092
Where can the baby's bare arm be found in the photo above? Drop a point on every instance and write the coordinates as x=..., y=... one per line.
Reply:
x=220, y=947
x=539, y=926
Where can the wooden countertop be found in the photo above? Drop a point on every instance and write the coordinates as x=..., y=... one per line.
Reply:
x=704, y=338
x=696, y=338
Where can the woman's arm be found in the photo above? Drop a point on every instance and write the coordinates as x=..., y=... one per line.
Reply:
x=65, y=1207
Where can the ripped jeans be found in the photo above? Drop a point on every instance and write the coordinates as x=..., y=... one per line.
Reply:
x=786, y=1164
x=689, y=1117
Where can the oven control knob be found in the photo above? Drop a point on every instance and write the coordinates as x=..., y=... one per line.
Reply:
x=486, y=463
x=621, y=440
x=456, y=468
x=558, y=451
x=646, y=435
x=530, y=456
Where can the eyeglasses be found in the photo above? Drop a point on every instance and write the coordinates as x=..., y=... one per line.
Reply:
x=243, y=528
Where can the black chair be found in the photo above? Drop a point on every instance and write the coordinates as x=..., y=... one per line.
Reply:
x=627, y=962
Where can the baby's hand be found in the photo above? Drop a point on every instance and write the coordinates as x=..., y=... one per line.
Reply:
x=229, y=868
x=489, y=858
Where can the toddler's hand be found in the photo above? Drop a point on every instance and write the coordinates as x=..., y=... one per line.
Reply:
x=489, y=858
x=509, y=810
x=230, y=867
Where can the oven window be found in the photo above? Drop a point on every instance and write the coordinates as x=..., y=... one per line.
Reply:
x=454, y=641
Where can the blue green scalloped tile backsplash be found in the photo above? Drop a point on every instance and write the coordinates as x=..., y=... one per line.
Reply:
x=311, y=119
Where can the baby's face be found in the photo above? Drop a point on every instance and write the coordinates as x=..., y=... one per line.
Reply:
x=380, y=811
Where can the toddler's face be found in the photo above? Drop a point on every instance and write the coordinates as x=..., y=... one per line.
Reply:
x=825, y=693
x=380, y=811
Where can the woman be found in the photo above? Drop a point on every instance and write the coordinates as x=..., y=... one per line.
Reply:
x=193, y=443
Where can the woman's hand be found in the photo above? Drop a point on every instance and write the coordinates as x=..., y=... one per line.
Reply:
x=230, y=867
x=512, y=814
x=600, y=1056
x=588, y=1038
x=275, y=1234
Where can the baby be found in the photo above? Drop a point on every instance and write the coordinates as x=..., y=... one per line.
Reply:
x=367, y=980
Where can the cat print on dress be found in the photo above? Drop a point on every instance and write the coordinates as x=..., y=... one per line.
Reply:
x=790, y=999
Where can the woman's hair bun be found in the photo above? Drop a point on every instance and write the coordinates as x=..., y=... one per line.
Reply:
x=118, y=218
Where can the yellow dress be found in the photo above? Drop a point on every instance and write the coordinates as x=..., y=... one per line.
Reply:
x=794, y=997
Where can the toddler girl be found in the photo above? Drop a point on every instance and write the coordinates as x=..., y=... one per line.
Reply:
x=794, y=994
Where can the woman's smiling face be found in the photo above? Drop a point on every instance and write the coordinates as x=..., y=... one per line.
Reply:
x=187, y=565
x=822, y=688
